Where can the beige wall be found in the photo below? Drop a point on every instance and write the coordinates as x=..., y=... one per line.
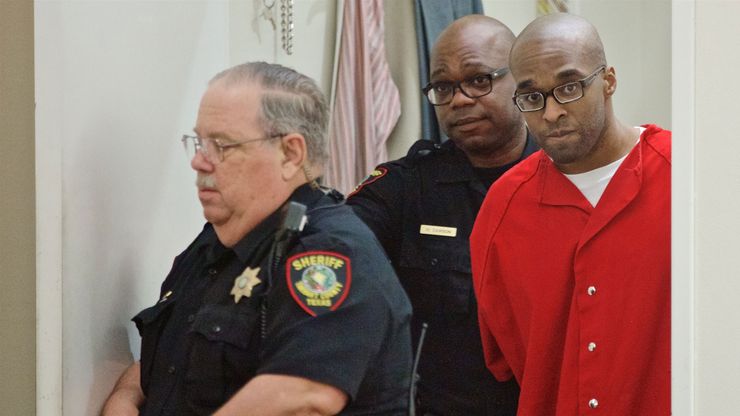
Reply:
x=17, y=211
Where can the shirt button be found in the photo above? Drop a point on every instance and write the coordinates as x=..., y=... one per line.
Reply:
x=591, y=290
x=171, y=369
x=212, y=272
x=434, y=262
x=216, y=328
x=191, y=318
x=591, y=346
x=593, y=403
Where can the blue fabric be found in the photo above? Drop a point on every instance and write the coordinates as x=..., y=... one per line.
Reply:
x=432, y=16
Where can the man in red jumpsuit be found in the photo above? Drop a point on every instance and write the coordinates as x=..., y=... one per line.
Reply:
x=571, y=248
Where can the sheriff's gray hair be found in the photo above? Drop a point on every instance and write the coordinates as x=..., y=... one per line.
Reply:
x=291, y=103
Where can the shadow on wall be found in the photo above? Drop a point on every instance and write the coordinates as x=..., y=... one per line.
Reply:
x=113, y=358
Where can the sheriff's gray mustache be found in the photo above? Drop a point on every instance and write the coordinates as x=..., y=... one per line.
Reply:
x=205, y=181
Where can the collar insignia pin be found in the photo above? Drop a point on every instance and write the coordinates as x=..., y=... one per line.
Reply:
x=165, y=296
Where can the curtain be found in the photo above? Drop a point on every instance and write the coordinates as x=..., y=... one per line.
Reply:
x=366, y=103
x=432, y=16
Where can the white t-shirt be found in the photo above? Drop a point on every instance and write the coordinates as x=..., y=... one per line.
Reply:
x=593, y=183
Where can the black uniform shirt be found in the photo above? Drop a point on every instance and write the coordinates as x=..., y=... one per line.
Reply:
x=334, y=313
x=422, y=208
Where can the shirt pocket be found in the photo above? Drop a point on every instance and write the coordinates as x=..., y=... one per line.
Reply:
x=222, y=355
x=436, y=273
x=150, y=322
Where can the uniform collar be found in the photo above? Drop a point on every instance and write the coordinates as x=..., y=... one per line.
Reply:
x=207, y=243
x=264, y=232
x=456, y=167
x=459, y=169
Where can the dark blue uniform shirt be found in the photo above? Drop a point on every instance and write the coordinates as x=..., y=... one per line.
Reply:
x=331, y=310
x=422, y=208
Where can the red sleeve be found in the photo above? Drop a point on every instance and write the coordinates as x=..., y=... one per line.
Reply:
x=491, y=352
x=486, y=225
x=483, y=231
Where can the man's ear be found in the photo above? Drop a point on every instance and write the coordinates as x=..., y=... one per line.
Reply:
x=294, y=155
x=611, y=81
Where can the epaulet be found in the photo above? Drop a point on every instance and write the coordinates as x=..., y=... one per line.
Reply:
x=335, y=195
x=417, y=152
x=377, y=173
x=421, y=149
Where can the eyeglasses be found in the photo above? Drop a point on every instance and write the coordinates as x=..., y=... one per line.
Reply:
x=441, y=93
x=213, y=149
x=566, y=93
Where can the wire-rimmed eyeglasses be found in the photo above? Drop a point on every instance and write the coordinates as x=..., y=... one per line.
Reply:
x=213, y=149
x=441, y=93
x=566, y=93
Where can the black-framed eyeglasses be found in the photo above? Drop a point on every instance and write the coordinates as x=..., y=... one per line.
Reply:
x=441, y=93
x=566, y=93
x=213, y=149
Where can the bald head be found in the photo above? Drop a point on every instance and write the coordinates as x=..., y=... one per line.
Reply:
x=565, y=30
x=486, y=26
x=472, y=30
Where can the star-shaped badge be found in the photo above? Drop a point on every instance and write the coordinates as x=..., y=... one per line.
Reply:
x=244, y=283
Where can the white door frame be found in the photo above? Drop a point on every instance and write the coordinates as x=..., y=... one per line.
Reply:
x=683, y=126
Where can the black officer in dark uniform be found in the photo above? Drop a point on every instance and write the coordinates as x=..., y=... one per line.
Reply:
x=422, y=208
x=281, y=318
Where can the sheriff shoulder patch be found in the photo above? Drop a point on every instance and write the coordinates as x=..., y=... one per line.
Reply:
x=378, y=173
x=319, y=281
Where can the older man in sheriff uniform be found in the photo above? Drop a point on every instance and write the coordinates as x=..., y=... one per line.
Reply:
x=261, y=314
x=422, y=208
